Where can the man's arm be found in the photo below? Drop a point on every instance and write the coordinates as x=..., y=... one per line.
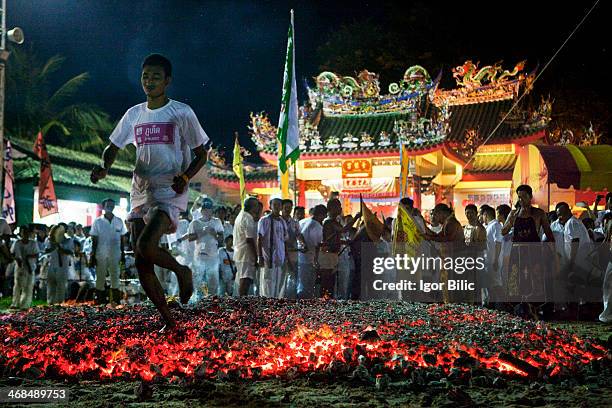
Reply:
x=108, y=158
x=510, y=222
x=181, y=181
x=94, y=246
x=259, y=248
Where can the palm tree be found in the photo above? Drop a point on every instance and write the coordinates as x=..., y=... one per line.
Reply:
x=33, y=105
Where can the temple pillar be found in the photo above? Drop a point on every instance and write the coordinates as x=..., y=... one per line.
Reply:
x=301, y=193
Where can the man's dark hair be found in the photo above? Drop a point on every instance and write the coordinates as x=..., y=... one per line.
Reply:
x=504, y=209
x=333, y=201
x=25, y=227
x=471, y=207
x=287, y=201
x=526, y=188
x=319, y=209
x=408, y=202
x=228, y=238
x=552, y=216
x=250, y=203
x=443, y=208
x=299, y=207
x=158, y=60
x=562, y=204
x=488, y=210
x=274, y=200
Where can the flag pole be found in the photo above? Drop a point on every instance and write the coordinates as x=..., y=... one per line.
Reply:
x=295, y=185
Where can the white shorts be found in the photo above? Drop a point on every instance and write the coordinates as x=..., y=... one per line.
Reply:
x=144, y=211
x=246, y=270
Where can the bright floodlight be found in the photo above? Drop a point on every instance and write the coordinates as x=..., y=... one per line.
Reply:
x=15, y=35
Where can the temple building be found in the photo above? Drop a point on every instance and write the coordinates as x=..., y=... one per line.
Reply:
x=355, y=138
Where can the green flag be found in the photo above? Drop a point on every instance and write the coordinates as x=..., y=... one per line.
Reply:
x=288, y=130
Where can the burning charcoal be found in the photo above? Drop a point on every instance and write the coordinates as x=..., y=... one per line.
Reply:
x=200, y=372
x=430, y=359
x=144, y=391
x=465, y=362
x=519, y=364
x=337, y=367
x=369, y=335
x=347, y=354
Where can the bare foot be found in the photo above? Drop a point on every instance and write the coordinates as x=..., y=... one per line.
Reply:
x=185, y=281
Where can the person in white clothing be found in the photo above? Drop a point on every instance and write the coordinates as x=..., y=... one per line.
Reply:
x=577, y=244
x=170, y=150
x=207, y=232
x=108, y=235
x=25, y=251
x=272, y=248
x=227, y=269
x=312, y=233
x=289, y=277
x=60, y=249
x=502, y=212
x=491, y=282
x=245, y=247
x=184, y=249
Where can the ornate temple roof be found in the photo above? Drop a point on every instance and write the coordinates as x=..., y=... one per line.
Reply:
x=348, y=116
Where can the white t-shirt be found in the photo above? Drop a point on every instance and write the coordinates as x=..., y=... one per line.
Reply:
x=558, y=231
x=574, y=228
x=21, y=251
x=206, y=244
x=244, y=227
x=108, y=235
x=494, y=236
x=312, y=232
x=164, y=138
x=228, y=229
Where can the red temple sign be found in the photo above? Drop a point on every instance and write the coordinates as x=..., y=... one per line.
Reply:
x=357, y=184
x=360, y=168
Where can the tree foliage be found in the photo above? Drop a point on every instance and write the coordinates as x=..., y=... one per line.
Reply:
x=33, y=104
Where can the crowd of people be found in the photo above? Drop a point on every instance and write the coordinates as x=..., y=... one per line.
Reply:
x=533, y=258
x=283, y=253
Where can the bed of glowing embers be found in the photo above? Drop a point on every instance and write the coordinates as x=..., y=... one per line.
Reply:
x=261, y=338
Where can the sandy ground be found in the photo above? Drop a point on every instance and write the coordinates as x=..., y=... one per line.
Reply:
x=591, y=390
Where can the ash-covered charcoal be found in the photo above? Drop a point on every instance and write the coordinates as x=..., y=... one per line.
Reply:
x=256, y=338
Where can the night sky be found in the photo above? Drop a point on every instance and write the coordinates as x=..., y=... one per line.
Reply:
x=228, y=56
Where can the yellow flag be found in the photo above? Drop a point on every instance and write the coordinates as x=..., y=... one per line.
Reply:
x=406, y=237
x=374, y=227
x=239, y=170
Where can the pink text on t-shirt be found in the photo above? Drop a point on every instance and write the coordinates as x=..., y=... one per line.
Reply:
x=154, y=133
